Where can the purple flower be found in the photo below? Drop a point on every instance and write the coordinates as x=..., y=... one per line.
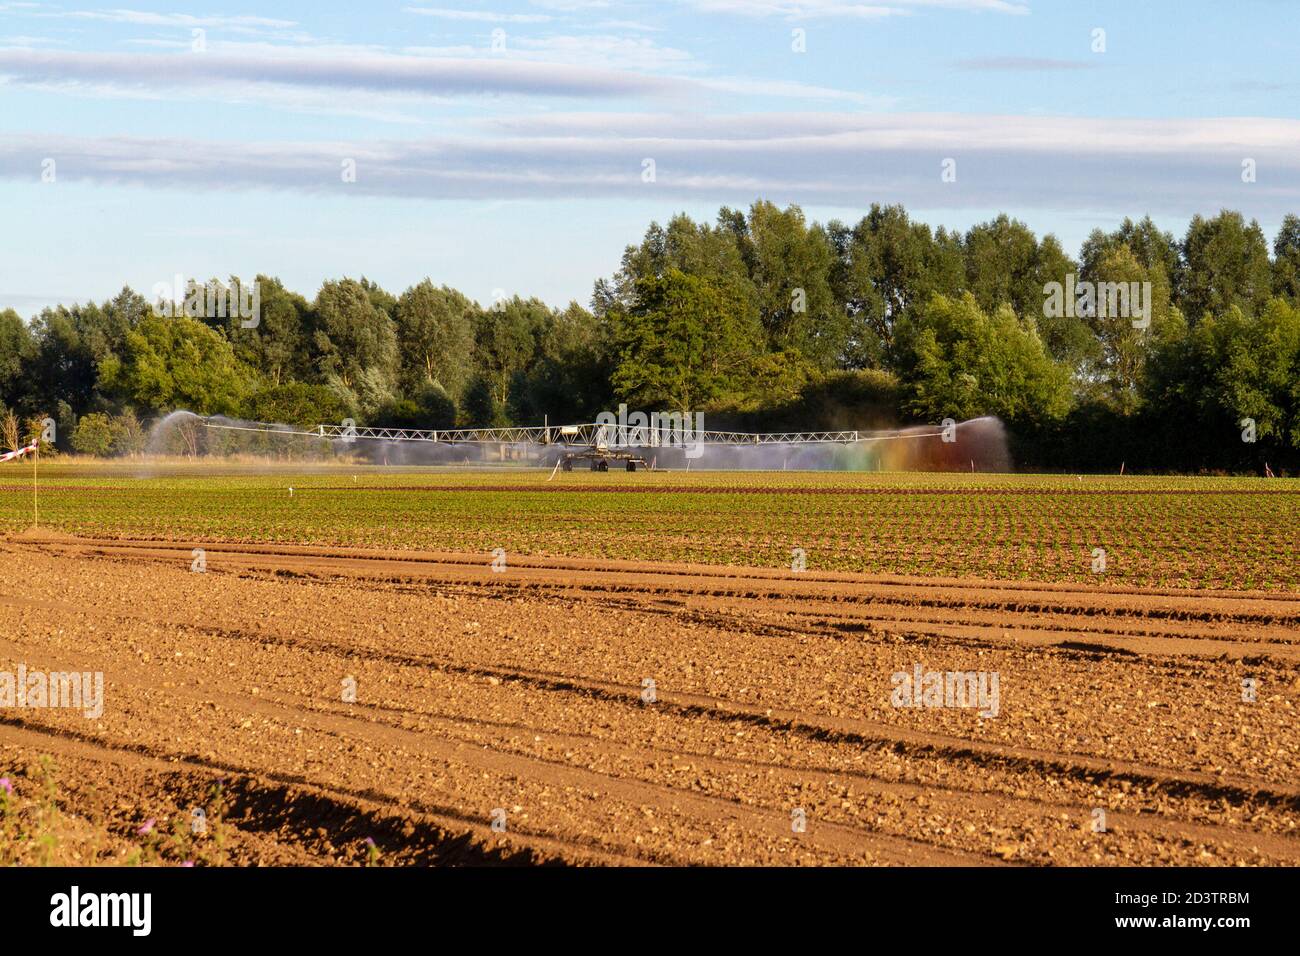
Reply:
x=188, y=863
x=147, y=827
x=6, y=786
x=370, y=841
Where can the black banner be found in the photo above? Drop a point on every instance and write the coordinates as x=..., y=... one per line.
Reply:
x=351, y=906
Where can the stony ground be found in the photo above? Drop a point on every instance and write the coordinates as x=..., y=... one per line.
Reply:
x=331, y=705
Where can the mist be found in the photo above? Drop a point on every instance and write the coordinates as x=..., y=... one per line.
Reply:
x=976, y=445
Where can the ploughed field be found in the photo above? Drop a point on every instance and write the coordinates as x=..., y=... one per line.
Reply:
x=349, y=674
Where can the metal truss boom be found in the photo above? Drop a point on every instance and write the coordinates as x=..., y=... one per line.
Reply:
x=590, y=434
x=593, y=434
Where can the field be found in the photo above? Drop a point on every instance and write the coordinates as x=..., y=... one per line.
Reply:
x=644, y=677
x=1161, y=532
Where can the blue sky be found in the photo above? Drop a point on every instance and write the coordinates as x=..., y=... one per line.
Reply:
x=500, y=145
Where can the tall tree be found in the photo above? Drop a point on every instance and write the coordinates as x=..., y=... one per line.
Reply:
x=1224, y=263
x=380, y=298
x=69, y=347
x=435, y=334
x=1286, y=260
x=707, y=252
x=1002, y=266
x=789, y=264
x=570, y=379
x=277, y=345
x=683, y=345
x=1154, y=249
x=1251, y=368
x=17, y=353
x=506, y=340
x=958, y=360
x=355, y=340
x=886, y=263
x=1117, y=367
x=173, y=363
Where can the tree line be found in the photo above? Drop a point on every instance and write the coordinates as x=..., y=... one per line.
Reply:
x=760, y=319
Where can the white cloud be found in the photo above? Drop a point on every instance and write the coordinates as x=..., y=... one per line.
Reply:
x=478, y=16
x=607, y=51
x=28, y=41
x=150, y=19
x=840, y=159
x=571, y=6
x=582, y=67
x=846, y=9
x=320, y=70
x=1029, y=64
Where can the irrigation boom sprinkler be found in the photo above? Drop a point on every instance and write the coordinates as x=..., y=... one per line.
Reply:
x=593, y=434
x=597, y=443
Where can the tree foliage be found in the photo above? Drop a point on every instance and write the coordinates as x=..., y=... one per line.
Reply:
x=176, y=363
x=757, y=316
x=958, y=360
x=683, y=344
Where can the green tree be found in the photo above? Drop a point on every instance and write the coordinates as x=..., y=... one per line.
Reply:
x=1118, y=364
x=569, y=381
x=129, y=437
x=168, y=364
x=706, y=252
x=277, y=345
x=956, y=360
x=683, y=345
x=1154, y=249
x=506, y=339
x=1068, y=339
x=430, y=407
x=1006, y=265
x=1224, y=264
x=789, y=263
x=296, y=403
x=17, y=355
x=94, y=435
x=1251, y=369
x=72, y=341
x=380, y=298
x=1286, y=260
x=480, y=408
x=435, y=335
x=352, y=335
x=885, y=264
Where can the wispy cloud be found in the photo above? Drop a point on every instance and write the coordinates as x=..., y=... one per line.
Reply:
x=1016, y=64
x=609, y=51
x=29, y=41
x=572, y=6
x=478, y=16
x=378, y=72
x=833, y=159
x=581, y=67
x=846, y=9
x=150, y=19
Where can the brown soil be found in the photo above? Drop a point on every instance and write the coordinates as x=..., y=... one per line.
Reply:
x=523, y=690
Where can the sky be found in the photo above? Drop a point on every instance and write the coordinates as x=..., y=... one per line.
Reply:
x=517, y=146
